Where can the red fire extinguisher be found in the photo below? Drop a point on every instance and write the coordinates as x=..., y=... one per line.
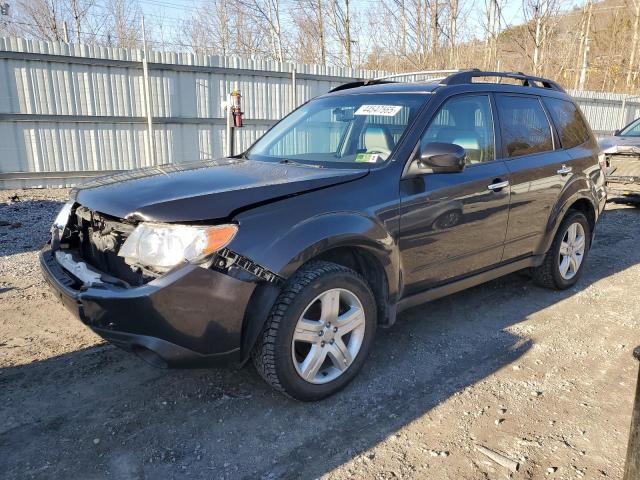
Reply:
x=235, y=109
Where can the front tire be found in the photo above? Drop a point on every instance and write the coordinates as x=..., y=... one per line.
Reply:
x=319, y=332
x=564, y=262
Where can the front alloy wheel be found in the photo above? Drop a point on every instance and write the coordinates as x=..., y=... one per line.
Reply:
x=318, y=333
x=328, y=336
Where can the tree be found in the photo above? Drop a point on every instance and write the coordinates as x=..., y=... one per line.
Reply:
x=634, y=42
x=454, y=12
x=583, y=46
x=123, y=20
x=340, y=18
x=222, y=27
x=79, y=11
x=493, y=12
x=540, y=16
x=268, y=17
x=310, y=23
x=41, y=18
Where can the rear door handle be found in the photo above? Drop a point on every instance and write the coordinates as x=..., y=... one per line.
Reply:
x=498, y=185
x=564, y=170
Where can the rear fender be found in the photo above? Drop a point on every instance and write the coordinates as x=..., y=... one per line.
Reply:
x=575, y=190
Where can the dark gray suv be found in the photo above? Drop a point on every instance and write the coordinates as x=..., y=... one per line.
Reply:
x=373, y=198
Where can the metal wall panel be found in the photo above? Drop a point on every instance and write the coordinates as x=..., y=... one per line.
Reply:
x=69, y=111
x=73, y=109
x=607, y=111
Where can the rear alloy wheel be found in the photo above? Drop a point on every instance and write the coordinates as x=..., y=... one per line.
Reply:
x=318, y=333
x=565, y=260
x=572, y=249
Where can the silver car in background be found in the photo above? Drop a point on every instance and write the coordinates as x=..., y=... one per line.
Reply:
x=622, y=156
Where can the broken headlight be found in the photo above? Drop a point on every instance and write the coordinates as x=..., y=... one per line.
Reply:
x=163, y=246
x=63, y=216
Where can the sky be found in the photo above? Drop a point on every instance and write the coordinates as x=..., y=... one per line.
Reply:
x=173, y=12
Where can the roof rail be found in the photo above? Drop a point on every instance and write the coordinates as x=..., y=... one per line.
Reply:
x=467, y=76
x=386, y=79
x=420, y=72
x=458, y=77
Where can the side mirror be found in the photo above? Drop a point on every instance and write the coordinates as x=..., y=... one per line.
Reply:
x=442, y=157
x=616, y=133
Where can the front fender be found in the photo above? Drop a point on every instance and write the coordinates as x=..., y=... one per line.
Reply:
x=575, y=190
x=316, y=235
x=306, y=240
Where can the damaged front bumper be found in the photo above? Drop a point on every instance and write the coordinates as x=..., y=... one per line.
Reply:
x=188, y=316
x=623, y=175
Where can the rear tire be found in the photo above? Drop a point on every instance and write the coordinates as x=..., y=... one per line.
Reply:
x=307, y=349
x=564, y=262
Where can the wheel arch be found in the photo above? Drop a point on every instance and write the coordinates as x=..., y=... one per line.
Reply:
x=348, y=239
x=371, y=268
x=580, y=202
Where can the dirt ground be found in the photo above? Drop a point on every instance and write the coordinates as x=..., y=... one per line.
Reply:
x=545, y=378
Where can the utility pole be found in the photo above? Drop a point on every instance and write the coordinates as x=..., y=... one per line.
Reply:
x=585, y=64
x=147, y=100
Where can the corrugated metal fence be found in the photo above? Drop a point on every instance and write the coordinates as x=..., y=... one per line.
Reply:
x=74, y=111
x=607, y=111
x=70, y=111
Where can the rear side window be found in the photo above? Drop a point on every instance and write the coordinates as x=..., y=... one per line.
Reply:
x=524, y=126
x=568, y=121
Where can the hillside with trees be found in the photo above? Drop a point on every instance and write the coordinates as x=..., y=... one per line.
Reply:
x=593, y=45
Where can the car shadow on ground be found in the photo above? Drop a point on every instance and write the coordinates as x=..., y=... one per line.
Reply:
x=16, y=236
x=101, y=412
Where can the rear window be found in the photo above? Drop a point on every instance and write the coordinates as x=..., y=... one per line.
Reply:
x=570, y=124
x=524, y=126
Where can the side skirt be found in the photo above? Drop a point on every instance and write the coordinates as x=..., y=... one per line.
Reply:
x=468, y=282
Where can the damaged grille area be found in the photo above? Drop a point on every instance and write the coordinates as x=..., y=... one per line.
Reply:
x=98, y=238
x=624, y=172
x=225, y=259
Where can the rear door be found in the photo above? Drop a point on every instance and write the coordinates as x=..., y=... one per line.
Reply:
x=538, y=170
x=575, y=138
x=453, y=224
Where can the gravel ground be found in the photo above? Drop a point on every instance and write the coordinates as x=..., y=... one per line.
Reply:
x=545, y=378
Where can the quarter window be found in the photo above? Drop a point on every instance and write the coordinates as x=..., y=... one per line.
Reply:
x=524, y=126
x=465, y=121
x=568, y=121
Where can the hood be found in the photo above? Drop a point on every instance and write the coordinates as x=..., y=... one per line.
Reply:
x=209, y=190
x=622, y=145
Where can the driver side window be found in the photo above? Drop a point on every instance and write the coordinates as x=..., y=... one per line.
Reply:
x=466, y=121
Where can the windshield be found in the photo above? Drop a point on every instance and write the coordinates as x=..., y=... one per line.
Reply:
x=632, y=130
x=344, y=129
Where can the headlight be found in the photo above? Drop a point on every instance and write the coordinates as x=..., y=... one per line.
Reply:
x=63, y=216
x=163, y=246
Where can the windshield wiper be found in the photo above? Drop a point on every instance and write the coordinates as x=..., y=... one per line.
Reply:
x=287, y=161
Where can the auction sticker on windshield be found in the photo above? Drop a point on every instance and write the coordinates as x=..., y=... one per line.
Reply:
x=381, y=110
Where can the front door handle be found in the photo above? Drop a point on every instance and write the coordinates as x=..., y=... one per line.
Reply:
x=564, y=170
x=498, y=185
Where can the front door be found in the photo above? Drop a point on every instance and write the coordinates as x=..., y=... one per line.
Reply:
x=453, y=224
